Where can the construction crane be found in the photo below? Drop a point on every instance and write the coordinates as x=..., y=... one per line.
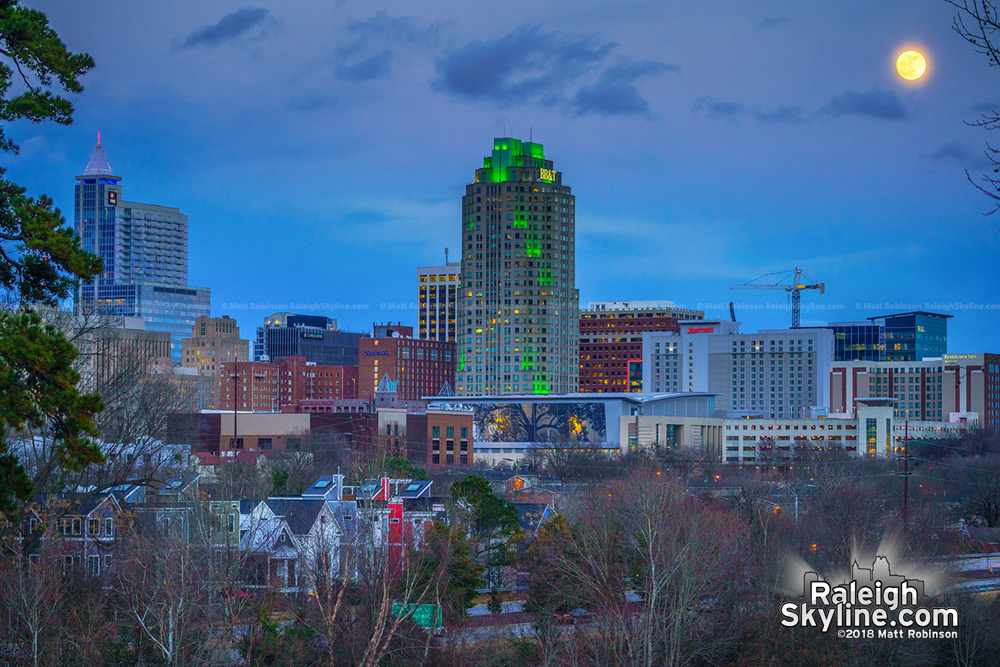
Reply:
x=732, y=311
x=795, y=287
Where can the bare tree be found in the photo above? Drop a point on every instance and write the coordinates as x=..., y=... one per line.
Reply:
x=31, y=593
x=978, y=23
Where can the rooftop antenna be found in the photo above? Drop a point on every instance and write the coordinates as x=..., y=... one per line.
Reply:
x=445, y=255
x=531, y=134
x=98, y=134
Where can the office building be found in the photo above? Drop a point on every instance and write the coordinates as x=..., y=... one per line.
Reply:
x=611, y=341
x=778, y=373
x=858, y=341
x=213, y=342
x=315, y=337
x=259, y=386
x=144, y=250
x=914, y=336
x=952, y=388
x=438, y=301
x=518, y=309
x=418, y=367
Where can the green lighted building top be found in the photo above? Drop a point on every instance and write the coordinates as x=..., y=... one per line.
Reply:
x=518, y=306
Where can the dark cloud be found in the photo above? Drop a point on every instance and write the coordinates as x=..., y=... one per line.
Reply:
x=772, y=22
x=615, y=92
x=356, y=60
x=370, y=68
x=875, y=103
x=230, y=27
x=530, y=65
x=961, y=154
x=520, y=66
x=721, y=109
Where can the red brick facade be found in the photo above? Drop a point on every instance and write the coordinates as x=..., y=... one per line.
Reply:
x=421, y=367
x=608, y=341
x=268, y=387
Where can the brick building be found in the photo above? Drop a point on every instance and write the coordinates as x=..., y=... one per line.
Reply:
x=934, y=389
x=420, y=367
x=611, y=341
x=258, y=386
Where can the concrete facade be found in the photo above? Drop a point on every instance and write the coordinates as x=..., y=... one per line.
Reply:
x=776, y=373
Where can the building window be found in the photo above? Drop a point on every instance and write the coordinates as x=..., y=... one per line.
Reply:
x=94, y=526
x=109, y=527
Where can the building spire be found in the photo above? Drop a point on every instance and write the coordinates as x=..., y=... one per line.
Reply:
x=98, y=164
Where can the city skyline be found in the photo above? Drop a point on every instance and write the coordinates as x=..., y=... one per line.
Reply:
x=789, y=158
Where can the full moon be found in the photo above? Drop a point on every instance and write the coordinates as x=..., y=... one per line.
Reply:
x=911, y=65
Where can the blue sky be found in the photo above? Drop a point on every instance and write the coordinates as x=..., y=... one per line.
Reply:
x=321, y=149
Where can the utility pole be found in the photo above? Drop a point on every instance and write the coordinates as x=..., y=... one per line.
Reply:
x=906, y=476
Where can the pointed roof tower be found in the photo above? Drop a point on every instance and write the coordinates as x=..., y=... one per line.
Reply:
x=98, y=164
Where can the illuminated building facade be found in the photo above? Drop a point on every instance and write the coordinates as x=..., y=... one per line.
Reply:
x=438, y=302
x=950, y=388
x=518, y=308
x=144, y=251
x=914, y=336
x=858, y=341
x=776, y=373
x=611, y=341
x=418, y=367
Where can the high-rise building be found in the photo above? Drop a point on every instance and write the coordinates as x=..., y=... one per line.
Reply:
x=518, y=309
x=144, y=250
x=858, y=341
x=611, y=341
x=439, y=286
x=914, y=336
x=315, y=337
x=777, y=373
x=213, y=342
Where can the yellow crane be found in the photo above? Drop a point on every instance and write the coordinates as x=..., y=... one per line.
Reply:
x=794, y=287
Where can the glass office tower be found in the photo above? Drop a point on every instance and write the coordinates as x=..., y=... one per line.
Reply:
x=143, y=248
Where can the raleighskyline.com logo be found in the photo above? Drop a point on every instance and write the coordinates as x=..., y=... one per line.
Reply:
x=874, y=603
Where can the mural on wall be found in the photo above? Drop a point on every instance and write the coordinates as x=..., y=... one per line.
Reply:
x=539, y=422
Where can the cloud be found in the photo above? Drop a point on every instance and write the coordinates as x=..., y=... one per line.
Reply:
x=530, y=65
x=772, y=22
x=398, y=28
x=721, y=109
x=783, y=114
x=875, y=103
x=960, y=153
x=230, y=27
x=356, y=60
x=372, y=67
x=615, y=93
x=311, y=103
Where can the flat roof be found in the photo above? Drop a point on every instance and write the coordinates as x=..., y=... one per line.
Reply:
x=634, y=397
x=912, y=312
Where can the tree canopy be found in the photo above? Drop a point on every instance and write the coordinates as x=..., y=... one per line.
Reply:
x=40, y=262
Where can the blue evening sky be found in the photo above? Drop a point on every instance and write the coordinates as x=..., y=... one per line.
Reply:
x=321, y=149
